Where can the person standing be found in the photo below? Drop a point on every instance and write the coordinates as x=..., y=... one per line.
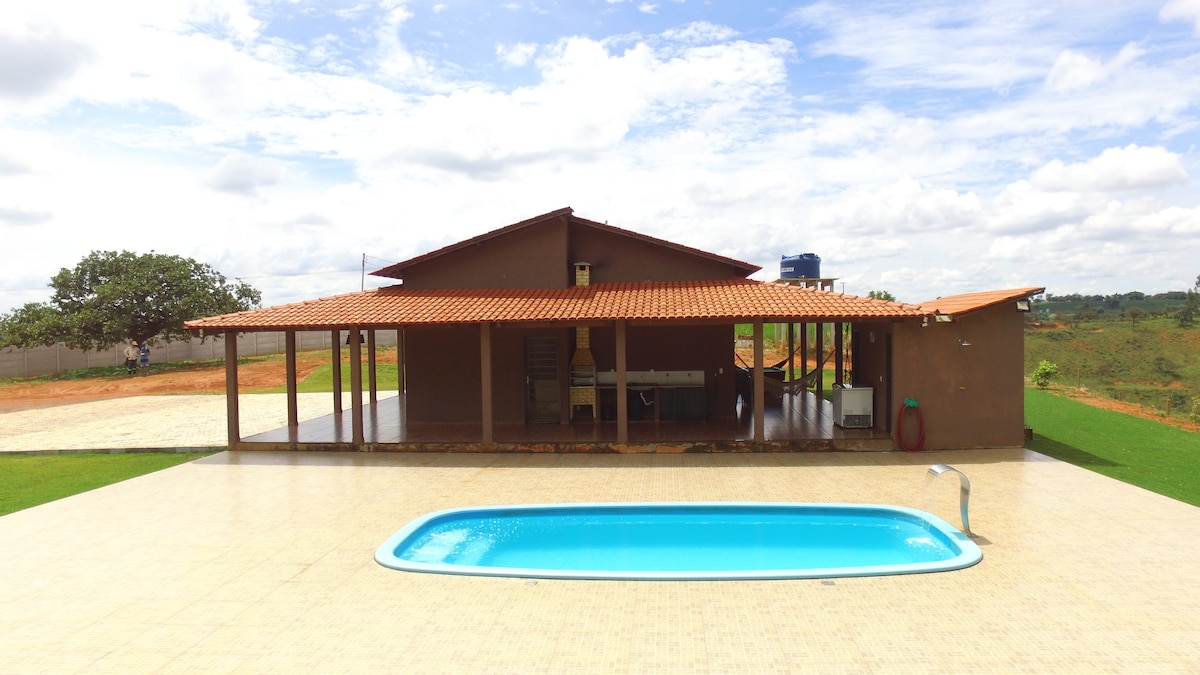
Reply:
x=144, y=359
x=131, y=357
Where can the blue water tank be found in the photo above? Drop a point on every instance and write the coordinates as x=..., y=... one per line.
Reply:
x=803, y=266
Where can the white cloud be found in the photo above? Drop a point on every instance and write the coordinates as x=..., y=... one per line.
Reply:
x=699, y=32
x=33, y=65
x=1115, y=170
x=17, y=216
x=1051, y=137
x=1182, y=10
x=949, y=45
x=11, y=166
x=1074, y=71
x=516, y=55
x=244, y=174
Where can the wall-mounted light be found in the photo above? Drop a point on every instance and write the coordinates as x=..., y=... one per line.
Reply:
x=944, y=318
x=963, y=342
x=1022, y=305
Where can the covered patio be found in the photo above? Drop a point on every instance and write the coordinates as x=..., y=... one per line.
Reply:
x=801, y=422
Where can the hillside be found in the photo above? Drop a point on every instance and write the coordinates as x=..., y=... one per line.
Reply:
x=1155, y=363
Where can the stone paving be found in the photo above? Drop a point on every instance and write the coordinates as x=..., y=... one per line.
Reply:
x=257, y=561
x=170, y=423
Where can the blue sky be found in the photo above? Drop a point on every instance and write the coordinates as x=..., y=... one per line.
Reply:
x=923, y=147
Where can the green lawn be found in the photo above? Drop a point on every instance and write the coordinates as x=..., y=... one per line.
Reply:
x=321, y=379
x=29, y=480
x=1141, y=452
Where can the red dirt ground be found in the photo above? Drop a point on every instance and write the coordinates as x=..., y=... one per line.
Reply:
x=271, y=374
x=265, y=374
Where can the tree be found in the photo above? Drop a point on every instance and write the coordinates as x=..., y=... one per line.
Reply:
x=112, y=297
x=881, y=295
x=1045, y=372
x=1135, y=313
x=1191, y=308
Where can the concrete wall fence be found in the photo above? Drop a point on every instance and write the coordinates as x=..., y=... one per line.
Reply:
x=50, y=360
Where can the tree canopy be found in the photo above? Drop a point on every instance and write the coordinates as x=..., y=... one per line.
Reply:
x=111, y=297
x=882, y=295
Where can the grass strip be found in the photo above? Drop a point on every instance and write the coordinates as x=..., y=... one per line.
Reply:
x=321, y=380
x=30, y=480
x=1145, y=453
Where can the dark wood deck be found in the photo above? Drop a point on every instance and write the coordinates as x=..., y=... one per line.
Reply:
x=799, y=424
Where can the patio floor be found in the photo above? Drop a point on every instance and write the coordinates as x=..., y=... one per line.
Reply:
x=262, y=562
x=803, y=422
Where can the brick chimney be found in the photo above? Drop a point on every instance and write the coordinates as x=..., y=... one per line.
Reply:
x=583, y=338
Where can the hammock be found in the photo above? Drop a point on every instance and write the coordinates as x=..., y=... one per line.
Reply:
x=777, y=388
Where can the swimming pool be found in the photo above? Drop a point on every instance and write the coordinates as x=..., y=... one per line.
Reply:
x=679, y=540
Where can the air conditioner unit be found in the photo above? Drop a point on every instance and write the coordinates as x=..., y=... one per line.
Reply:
x=852, y=407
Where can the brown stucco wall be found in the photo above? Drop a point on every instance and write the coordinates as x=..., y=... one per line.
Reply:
x=617, y=258
x=542, y=255
x=871, y=367
x=970, y=396
x=530, y=257
x=700, y=347
x=442, y=374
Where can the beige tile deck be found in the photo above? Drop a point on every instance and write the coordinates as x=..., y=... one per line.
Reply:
x=262, y=562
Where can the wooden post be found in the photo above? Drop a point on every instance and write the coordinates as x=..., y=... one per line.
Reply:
x=290, y=359
x=803, y=349
x=337, y=369
x=356, y=388
x=791, y=347
x=231, y=391
x=400, y=383
x=622, y=387
x=838, y=362
x=760, y=389
x=485, y=379
x=373, y=378
x=820, y=341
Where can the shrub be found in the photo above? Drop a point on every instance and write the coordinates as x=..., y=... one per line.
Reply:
x=1045, y=372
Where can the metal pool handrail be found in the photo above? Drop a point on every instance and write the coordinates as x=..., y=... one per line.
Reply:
x=964, y=494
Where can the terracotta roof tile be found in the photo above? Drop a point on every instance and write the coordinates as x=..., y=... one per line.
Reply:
x=729, y=299
x=970, y=302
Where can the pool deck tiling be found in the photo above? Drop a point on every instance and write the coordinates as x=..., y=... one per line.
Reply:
x=262, y=562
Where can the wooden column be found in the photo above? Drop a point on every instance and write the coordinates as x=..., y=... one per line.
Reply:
x=820, y=342
x=838, y=362
x=791, y=358
x=803, y=349
x=231, y=391
x=289, y=341
x=356, y=388
x=337, y=370
x=485, y=378
x=400, y=384
x=374, y=379
x=622, y=387
x=760, y=388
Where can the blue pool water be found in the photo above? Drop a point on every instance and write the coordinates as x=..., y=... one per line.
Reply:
x=679, y=540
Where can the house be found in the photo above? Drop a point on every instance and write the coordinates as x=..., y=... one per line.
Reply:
x=560, y=333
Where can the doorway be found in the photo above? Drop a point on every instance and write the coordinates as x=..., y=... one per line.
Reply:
x=543, y=396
